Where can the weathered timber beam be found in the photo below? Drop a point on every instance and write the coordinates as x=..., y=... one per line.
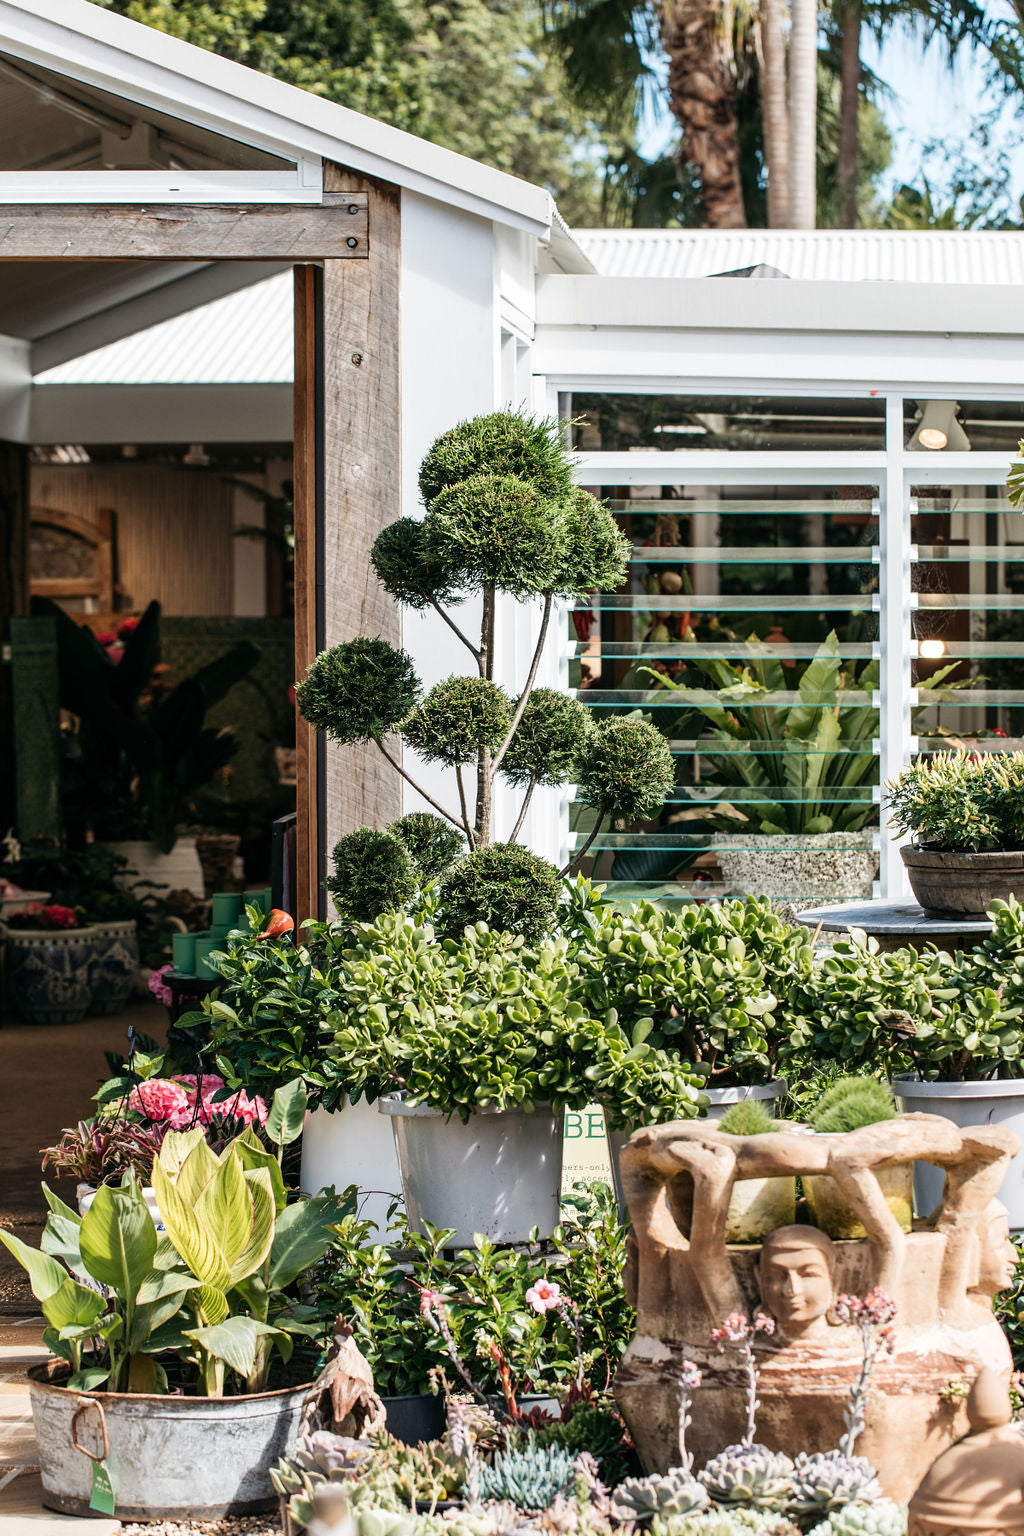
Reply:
x=335, y=228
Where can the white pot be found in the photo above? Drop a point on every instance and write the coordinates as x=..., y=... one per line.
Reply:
x=352, y=1145
x=86, y=1194
x=990, y=1103
x=500, y=1174
x=720, y=1101
x=150, y=870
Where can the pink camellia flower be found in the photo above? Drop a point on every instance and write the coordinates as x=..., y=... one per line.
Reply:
x=238, y=1107
x=159, y=1099
x=544, y=1296
x=157, y=984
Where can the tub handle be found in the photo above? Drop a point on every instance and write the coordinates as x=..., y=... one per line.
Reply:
x=86, y=1404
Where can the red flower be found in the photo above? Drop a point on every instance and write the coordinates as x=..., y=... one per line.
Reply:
x=57, y=917
x=280, y=923
x=106, y=636
x=126, y=627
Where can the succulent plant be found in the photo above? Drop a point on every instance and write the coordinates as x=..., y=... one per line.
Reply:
x=751, y=1476
x=531, y=1478
x=674, y=1492
x=320, y=1451
x=880, y=1518
x=724, y=1522
x=829, y=1481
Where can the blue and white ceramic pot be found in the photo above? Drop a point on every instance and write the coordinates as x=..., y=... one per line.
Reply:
x=114, y=966
x=48, y=974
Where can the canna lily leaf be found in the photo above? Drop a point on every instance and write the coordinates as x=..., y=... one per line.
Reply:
x=234, y=1341
x=118, y=1240
x=45, y=1275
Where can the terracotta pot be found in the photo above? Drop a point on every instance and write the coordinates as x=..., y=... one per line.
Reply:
x=835, y=1216
x=962, y=884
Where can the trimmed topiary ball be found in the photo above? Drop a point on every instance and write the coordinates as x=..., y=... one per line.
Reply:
x=433, y=844
x=500, y=529
x=548, y=739
x=374, y=872
x=505, y=886
x=626, y=769
x=458, y=717
x=408, y=567
x=598, y=552
x=748, y=1118
x=503, y=443
x=358, y=690
x=852, y=1103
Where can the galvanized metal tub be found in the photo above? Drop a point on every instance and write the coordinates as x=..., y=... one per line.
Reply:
x=168, y=1457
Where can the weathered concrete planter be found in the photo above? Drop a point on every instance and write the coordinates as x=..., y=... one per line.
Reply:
x=989, y=1103
x=962, y=884
x=353, y=1145
x=835, y=1216
x=826, y=866
x=500, y=1174
x=114, y=966
x=757, y=1206
x=47, y=974
x=169, y=1457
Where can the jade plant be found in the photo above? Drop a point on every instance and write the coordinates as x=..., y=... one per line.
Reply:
x=503, y=518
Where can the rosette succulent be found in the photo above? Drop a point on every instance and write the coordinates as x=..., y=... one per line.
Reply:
x=829, y=1481
x=880, y=1518
x=750, y=1476
x=530, y=1478
x=724, y=1522
x=673, y=1492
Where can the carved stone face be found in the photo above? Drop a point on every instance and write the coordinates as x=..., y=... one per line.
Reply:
x=797, y=1284
x=997, y=1255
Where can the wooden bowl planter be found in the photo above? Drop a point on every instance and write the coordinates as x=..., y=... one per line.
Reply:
x=173, y=1458
x=757, y=1206
x=500, y=1173
x=48, y=974
x=962, y=884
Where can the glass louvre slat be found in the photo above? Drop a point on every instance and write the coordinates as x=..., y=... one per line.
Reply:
x=725, y=589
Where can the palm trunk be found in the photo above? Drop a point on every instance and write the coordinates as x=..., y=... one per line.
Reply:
x=702, y=97
x=774, y=110
x=849, y=103
x=803, y=111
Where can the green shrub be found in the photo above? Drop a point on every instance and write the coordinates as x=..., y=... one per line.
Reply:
x=433, y=844
x=502, y=443
x=625, y=769
x=358, y=690
x=961, y=803
x=748, y=1118
x=854, y=1102
x=597, y=552
x=505, y=886
x=374, y=872
x=502, y=531
x=457, y=718
x=408, y=567
x=548, y=739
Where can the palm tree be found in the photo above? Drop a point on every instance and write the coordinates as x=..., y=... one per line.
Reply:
x=803, y=112
x=774, y=109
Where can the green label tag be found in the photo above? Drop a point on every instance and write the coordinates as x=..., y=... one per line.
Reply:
x=102, y=1499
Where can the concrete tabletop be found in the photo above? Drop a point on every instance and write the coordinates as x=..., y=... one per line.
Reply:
x=889, y=917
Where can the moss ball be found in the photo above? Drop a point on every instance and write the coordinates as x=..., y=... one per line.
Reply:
x=853, y=1102
x=507, y=887
x=748, y=1118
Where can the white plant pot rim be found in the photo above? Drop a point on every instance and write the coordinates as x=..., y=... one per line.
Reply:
x=773, y=1089
x=394, y=1104
x=909, y=1087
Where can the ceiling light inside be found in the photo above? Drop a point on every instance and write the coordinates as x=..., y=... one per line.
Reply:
x=938, y=428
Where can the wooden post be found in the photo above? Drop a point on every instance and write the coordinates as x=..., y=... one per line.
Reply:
x=347, y=488
x=14, y=573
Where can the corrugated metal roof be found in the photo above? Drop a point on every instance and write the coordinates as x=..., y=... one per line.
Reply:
x=927, y=256
x=244, y=338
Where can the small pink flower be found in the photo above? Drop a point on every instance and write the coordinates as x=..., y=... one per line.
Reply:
x=764, y=1324
x=158, y=985
x=431, y=1300
x=690, y=1376
x=544, y=1296
x=57, y=917
x=159, y=1099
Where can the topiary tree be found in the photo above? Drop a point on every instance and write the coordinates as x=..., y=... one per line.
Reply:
x=504, y=886
x=433, y=844
x=374, y=872
x=503, y=515
x=625, y=771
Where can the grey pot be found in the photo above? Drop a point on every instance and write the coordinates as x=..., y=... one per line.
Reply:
x=500, y=1174
x=962, y=884
x=987, y=1103
x=114, y=965
x=47, y=974
x=175, y=1458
